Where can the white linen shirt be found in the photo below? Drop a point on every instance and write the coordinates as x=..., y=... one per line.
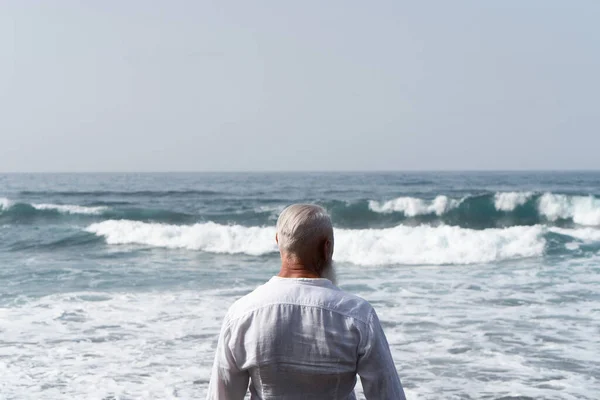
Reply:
x=302, y=338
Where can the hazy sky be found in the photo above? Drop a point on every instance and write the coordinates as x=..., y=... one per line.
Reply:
x=302, y=85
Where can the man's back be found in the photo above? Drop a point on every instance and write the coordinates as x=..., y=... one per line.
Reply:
x=302, y=338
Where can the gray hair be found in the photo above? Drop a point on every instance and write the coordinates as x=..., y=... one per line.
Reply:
x=300, y=225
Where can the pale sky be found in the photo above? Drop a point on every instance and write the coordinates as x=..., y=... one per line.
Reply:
x=303, y=85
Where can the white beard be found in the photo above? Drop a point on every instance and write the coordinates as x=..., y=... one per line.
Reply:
x=329, y=272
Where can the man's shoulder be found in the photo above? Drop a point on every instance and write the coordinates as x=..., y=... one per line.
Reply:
x=330, y=298
x=355, y=306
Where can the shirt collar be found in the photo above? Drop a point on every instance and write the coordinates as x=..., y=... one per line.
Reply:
x=307, y=281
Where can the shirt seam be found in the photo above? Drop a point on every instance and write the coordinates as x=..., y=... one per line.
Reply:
x=368, y=337
x=231, y=320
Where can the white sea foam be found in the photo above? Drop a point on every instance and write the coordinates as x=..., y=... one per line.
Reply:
x=584, y=234
x=437, y=245
x=71, y=208
x=583, y=210
x=398, y=245
x=506, y=332
x=273, y=210
x=5, y=203
x=508, y=201
x=412, y=206
x=160, y=344
x=209, y=237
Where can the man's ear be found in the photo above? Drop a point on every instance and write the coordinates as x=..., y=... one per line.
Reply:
x=326, y=249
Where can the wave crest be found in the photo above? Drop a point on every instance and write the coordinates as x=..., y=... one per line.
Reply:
x=508, y=201
x=583, y=210
x=71, y=208
x=5, y=204
x=484, y=211
x=398, y=245
x=209, y=237
x=438, y=245
x=523, y=207
x=412, y=206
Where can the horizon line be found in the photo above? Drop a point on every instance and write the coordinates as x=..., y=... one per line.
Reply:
x=265, y=171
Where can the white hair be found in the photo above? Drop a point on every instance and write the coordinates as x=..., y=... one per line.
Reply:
x=299, y=225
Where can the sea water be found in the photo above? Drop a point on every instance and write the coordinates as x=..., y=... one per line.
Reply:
x=114, y=286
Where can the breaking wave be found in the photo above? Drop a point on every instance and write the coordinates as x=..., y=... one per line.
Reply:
x=23, y=209
x=397, y=245
x=508, y=201
x=209, y=237
x=504, y=208
x=21, y=212
x=71, y=209
x=484, y=211
x=412, y=206
x=583, y=210
x=4, y=204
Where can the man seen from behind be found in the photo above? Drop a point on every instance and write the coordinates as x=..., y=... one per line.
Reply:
x=299, y=336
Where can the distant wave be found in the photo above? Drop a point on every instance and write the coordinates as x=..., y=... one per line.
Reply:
x=583, y=210
x=22, y=211
x=4, y=204
x=8, y=205
x=397, y=245
x=508, y=201
x=525, y=208
x=412, y=206
x=484, y=211
x=71, y=208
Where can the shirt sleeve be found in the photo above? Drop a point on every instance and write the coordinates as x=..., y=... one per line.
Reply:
x=376, y=367
x=227, y=381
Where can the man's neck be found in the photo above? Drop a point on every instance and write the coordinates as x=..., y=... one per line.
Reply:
x=290, y=269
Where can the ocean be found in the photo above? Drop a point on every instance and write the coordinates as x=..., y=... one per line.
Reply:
x=114, y=286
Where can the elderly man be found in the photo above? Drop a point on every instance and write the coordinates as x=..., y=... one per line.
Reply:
x=298, y=336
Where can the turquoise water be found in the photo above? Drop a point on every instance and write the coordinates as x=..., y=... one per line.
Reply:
x=114, y=285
